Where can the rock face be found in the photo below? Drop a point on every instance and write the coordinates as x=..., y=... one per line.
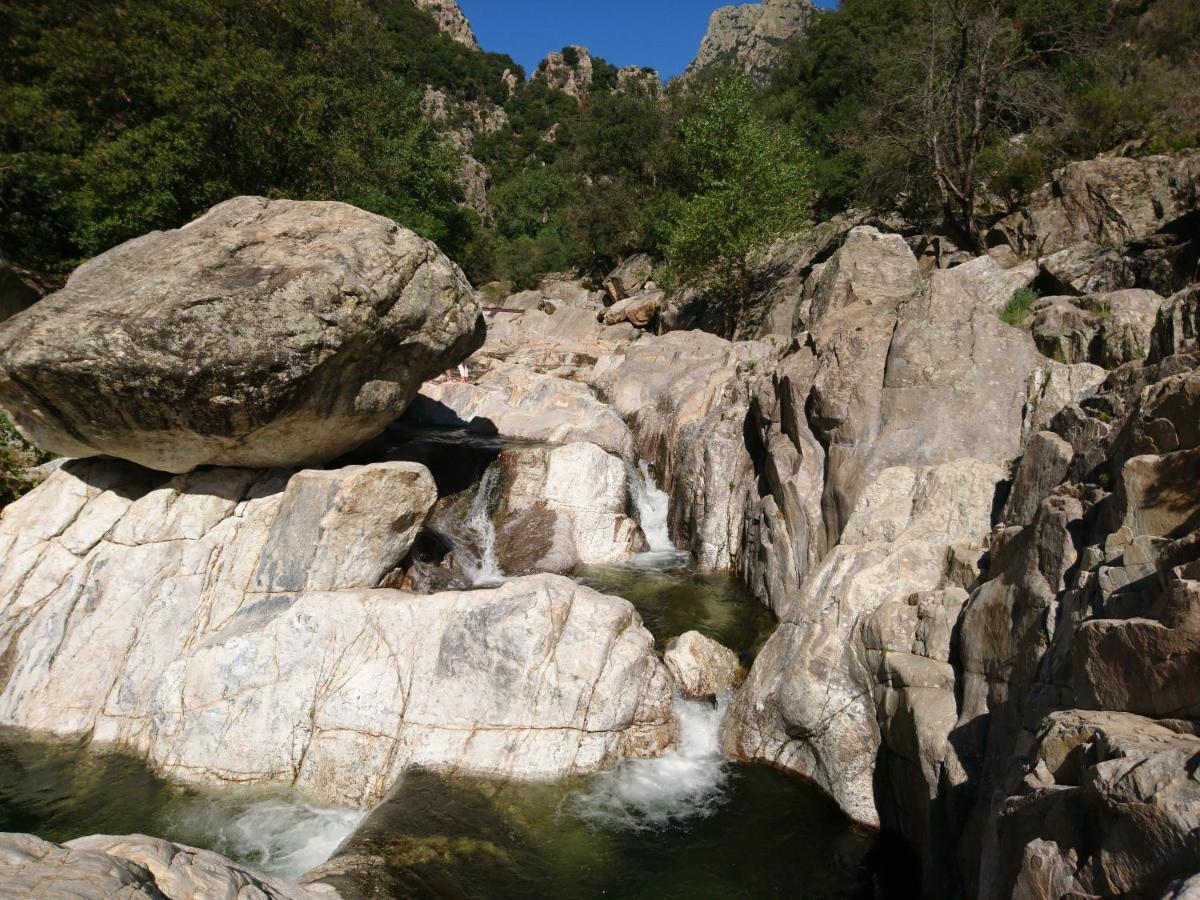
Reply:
x=882, y=444
x=561, y=507
x=265, y=333
x=1107, y=330
x=516, y=402
x=569, y=71
x=129, y=867
x=226, y=625
x=701, y=667
x=749, y=36
x=629, y=277
x=683, y=396
x=1110, y=202
x=450, y=21
x=554, y=330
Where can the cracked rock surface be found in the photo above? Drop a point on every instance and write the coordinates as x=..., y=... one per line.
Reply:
x=227, y=626
x=265, y=333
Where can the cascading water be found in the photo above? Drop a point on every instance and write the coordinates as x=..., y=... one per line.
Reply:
x=484, y=570
x=652, y=794
x=282, y=837
x=653, y=509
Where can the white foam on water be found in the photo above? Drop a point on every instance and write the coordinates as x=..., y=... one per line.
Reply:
x=688, y=782
x=278, y=837
x=484, y=570
x=653, y=506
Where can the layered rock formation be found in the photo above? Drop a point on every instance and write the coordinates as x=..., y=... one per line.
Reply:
x=265, y=333
x=227, y=626
x=749, y=37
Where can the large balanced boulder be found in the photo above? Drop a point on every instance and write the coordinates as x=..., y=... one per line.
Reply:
x=265, y=333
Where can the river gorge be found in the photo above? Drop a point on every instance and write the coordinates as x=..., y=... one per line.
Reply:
x=344, y=584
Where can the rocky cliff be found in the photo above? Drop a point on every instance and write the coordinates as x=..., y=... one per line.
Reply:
x=450, y=20
x=748, y=37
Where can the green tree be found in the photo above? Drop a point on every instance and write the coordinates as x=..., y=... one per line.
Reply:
x=117, y=118
x=748, y=185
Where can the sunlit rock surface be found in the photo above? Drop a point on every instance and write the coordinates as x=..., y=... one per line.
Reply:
x=265, y=333
x=134, y=866
x=227, y=626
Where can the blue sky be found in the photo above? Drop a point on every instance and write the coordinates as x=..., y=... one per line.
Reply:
x=662, y=34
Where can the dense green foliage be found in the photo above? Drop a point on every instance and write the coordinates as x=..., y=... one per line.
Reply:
x=747, y=184
x=956, y=109
x=118, y=118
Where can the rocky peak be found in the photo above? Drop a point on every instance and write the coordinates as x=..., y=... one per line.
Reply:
x=749, y=36
x=635, y=79
x=450, y=20
x=569, y=71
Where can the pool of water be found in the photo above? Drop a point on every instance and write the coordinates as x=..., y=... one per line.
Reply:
x=60, y=791
x=688, y=825
x=672, y=597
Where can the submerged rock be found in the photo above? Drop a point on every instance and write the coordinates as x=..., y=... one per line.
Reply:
x=134, y=866
x=265, y=333
x=226, y=626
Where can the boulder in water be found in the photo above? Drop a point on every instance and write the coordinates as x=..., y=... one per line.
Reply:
x=265, y=333
x=701, y=667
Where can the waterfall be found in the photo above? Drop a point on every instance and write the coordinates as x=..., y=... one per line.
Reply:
x=485, y=570
x=279, y=836
x=653, y=506
x=688, y=782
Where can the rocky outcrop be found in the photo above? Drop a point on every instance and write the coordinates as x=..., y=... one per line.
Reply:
x=265, y=333
x=1109, y=202
x=639, y=80
x=749, y=37
x=701, y=667
x=1109, y=808
x=1107, y=330
x=684, y=396
x=129, y=867
x=516, y=402
x=629, y=277
x=569, y=71
x=450, y=21
x=227, y=626
x=884, y=441
x=557, y=330
x=559, y=508
x=640, y=310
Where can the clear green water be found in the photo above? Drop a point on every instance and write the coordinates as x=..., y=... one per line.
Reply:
x=764, y=835
x=673, y=597
x=60, y=791
x=689, y=825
